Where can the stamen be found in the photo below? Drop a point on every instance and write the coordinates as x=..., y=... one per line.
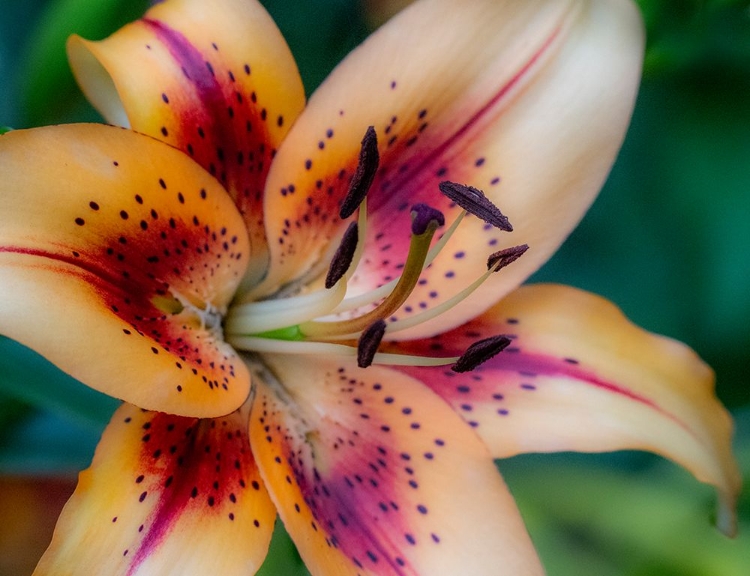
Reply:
x=368, y=343
x=269, y=345
x=342, y=259
x=269, y=315
x=502, y=258
x=315, y=273
x=369, y=159
x=287, y=311
x=475, y=202
x=493, y=265
x=480, y=352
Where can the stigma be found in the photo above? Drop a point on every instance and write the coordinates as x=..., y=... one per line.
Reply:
x=327, y=321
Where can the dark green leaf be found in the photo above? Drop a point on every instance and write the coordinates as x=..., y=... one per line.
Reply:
x=44, y=444
x=49, y=91
x=26, y=376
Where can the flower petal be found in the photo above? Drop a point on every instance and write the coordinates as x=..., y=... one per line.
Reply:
x=373, y=474
x=215, y=79
x=579, y=376
x=527, y=100
x=166, y=494
x=112, y=247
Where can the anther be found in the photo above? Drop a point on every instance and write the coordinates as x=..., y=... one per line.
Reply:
x=502, y=258
x=369, y=160
x=342, y=259
x=475, y=202
x=480, y=352
x=368, y=343
x=423, y=216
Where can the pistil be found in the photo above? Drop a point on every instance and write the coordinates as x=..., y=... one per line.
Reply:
x=311, y=322
x=425, y=221
x=377, y=294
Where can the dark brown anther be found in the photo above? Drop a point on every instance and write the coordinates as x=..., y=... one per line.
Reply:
x=368, y=343
x=423, y=215
x=475, y=202
x=342, y=259
x=502, y=258
x=369, y=160
x=480, y=352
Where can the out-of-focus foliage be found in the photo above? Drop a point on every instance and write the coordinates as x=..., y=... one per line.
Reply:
x=649, y=520
x=27, y=519
x=683, y=33
x=668, y=240
x=47, y=89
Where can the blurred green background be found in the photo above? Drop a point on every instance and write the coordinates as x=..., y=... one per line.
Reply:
x=668, y=241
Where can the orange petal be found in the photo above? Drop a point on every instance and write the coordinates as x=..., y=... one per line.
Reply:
x=528, y=101
x=215, y=79
x=165, y=494
x=102, y=231
x=374, y=474
x=579, y=376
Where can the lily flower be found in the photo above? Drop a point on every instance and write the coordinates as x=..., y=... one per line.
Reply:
x=316, y=311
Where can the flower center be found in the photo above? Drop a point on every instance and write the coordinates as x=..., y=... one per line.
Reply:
x=326, y=321
x=209, y=316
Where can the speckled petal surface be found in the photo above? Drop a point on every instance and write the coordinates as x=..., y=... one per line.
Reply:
x=526, y=100
x=215, y=79
x=374, y=474
x=579, y=376
x=117, y=252
x=165, y=495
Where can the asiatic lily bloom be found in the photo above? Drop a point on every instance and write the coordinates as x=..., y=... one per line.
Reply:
x=317, y=310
